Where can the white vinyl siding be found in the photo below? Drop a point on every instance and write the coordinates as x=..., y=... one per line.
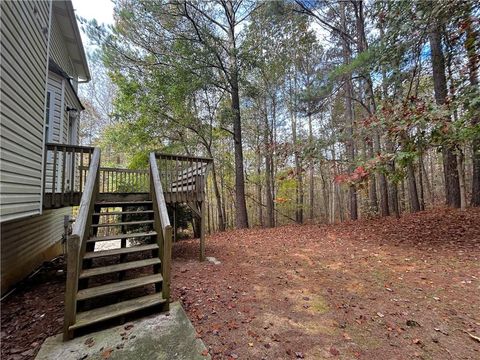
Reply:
x=31, y=38
x=26, y=243
x=24, y=46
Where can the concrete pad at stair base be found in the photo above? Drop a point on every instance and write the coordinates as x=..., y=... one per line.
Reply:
x=157, y=337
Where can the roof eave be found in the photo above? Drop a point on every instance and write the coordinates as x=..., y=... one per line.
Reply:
x=71, y=15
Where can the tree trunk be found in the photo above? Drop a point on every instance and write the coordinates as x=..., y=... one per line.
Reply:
x=375, y=144
x=311, y=168
x=372, y=182
x=393, y=187
x=268, y=170
x=325, y=195
x=350, y=144
x=426, y=181
x=240, y=203
x=352, y=190
x=196, y=227
x=259, y=188
x=298, y=169
x=461, y=178
x=221, y=218
x=412, y=189
x=421, y=197
x=224, y=199
x=274, y=160
x=471, y=45
x=382, y=183
x=452, y=185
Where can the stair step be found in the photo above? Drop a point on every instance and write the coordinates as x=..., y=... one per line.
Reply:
x=124, y=212
x=123, y=203
x=120, y=251
x=121, y=236
x=115, y=310
x=118, y=267
x=119, y=286
x=127, y=223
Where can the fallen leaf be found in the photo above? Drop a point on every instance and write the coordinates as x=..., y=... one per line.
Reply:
x=89, y=342
x=334, y=351
x=299, y=355
x=107, y=353
x=30, y=353
x=205, y=352
x=412, y=323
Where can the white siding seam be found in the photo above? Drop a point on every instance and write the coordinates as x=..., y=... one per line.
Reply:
x=45, y=97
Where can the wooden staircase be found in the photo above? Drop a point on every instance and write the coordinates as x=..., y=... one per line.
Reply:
x=105, y=284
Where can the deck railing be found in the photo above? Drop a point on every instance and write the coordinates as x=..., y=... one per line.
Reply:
x=115, y=180
x=67, y=166
x=162, y=225
x=76, y=242
x=65, y=173
x=182, y=177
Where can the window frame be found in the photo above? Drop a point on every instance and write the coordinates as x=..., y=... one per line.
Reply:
x=49, y=113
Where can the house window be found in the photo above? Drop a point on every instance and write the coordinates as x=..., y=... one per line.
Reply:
x=48, y=118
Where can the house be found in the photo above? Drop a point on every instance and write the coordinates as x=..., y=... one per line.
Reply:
x=42, y=63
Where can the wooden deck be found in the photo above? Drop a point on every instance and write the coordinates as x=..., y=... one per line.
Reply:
x=182, y=178
x=139, y=198
x=54, y=201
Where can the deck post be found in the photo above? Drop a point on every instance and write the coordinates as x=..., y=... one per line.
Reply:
x=202, y=231
x=175, y=222
x=71, y=286
x=166, y=266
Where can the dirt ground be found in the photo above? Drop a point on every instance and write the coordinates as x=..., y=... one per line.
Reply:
x=376, y=289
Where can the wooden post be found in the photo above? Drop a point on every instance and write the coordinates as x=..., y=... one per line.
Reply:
x=72, y=176
x=81, y=170
x=71, y=286
x=162, y=227
x=167, y=259
x=54, y=175
x=64, y=170
x=45, y=160
x=175, y=222
x=202, y=231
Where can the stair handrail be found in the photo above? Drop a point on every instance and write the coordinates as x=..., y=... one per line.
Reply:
x=76, y=242
x=162, y=225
